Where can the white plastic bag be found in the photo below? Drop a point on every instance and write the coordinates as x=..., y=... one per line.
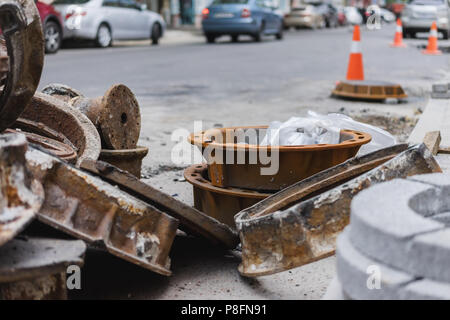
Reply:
x=317, y=129
x=380, y=138
x=301, y=131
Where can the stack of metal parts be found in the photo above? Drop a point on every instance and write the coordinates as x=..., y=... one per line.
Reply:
x=51, y=169
x=47, y=139
x=300, y=224
x=223, y=188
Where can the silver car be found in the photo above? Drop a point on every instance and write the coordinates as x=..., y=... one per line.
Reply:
x=418, y=15
x=108, y=20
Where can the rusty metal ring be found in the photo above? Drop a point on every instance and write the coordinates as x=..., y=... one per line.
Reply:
x=22, y=29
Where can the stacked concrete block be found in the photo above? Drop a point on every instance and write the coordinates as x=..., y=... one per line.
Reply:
x=397, y=245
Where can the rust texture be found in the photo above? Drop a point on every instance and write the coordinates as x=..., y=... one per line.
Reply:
x=20, y=196
x=305, y=232
x=128, y=159
x=191, y=220
x=369, y=90
x=116, y=115
x=247, y=175
x=24, y=40
x=35, y=268
x=92, y=210
x=55, y=147
x=220, y=203
x=50, y=117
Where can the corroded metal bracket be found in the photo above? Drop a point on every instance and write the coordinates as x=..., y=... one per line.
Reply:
x=20, y=196
x=49, y=114
x=116, y=115
x=276, y=236
x=92, y=210
x=22, y=30
x=191, y=220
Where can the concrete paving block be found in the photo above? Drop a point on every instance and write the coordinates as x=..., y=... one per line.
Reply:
x=355, y=271
x=425, y=290
x=383, y=223
x=430, y=256
x=435, y=117
x=434, y=179
x=443, y=218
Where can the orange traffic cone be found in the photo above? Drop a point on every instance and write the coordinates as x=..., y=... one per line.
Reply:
x=355, y=65
x=398, y=39
x=432, y=48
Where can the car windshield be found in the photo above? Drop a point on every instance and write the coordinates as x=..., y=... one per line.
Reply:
x=70, y=1
x=426, y=2
x=230, y=1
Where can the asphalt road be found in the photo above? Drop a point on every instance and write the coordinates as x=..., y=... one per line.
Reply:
x=185, y=80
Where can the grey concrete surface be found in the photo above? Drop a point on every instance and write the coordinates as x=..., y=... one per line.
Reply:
x=225, y=84
x=393, y=223
x=355, y=269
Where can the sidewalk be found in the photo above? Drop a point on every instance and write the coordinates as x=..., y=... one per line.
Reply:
x=171, y=36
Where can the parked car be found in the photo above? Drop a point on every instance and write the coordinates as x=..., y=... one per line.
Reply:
x=247, y=17
x=330, y=14
x=353, y=16
x=106, y=20
x=305, y=15
x=418, y=15
x=52, y=26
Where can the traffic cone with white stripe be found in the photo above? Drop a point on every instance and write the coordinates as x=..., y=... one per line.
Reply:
x=432, y=48
x=355, y=66
x=398, y=39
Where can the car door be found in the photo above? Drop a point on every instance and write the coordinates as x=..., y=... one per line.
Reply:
x=265, y=12
x=112, y=16
x=134, y=20
x=276, y=16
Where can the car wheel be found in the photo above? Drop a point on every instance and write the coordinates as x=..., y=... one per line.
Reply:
x=258, y=36
x=445, y=35
x=279, y=35
x=210, y=38
x=156, y=33
x=104, y=37
x=52, y=34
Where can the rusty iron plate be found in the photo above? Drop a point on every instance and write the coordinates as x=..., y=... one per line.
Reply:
x=307, y=231
x=116, y=115
x=219, y=203
x=22, y=31
x=191, y=220
x=20, y=195
x=55, y=147
x=92, y=210
x=325, y=180
x=58, y=116
x=42, y=130
x=369, y=90
x=295, y=163
x=35, y=268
